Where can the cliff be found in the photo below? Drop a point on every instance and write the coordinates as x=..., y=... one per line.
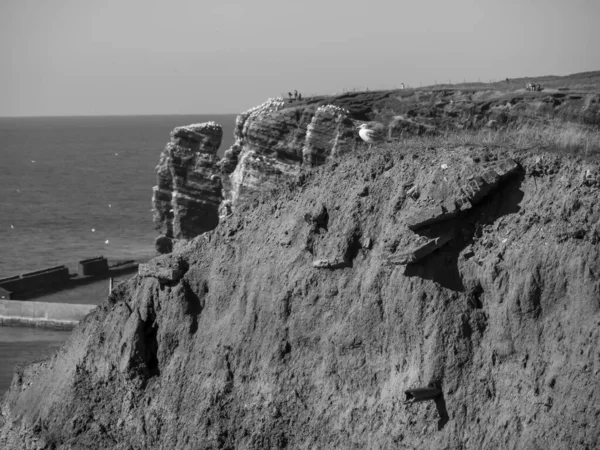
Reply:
x=301, y=320
x=276, y=140
x=341, y=281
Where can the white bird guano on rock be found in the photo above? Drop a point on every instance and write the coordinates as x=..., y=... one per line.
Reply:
x=370, y=135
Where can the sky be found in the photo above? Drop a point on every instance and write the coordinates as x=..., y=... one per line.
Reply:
x=113, y=57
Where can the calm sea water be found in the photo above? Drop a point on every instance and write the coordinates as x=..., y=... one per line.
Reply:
x=63, y=177
x=60, y=178
x=21, y=344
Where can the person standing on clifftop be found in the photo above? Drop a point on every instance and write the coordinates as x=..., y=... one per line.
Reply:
x=295, y=94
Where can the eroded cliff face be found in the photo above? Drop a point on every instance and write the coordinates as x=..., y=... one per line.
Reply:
x=189, y=191
x=274, y=141
x=301, y=320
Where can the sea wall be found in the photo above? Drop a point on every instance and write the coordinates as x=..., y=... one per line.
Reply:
x=93, y=266
x=42, y=314
x=50, y=278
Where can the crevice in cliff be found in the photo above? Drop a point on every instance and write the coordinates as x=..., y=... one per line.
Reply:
x=353, y=246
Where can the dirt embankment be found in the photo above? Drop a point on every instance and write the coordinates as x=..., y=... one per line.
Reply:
x=261, y=344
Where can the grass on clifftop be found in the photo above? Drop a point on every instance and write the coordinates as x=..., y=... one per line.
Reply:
x=555, y=136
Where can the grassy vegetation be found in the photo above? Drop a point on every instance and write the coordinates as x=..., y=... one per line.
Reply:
x=554, y=135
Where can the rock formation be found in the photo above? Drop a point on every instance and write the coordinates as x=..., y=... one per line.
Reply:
x=267, y=149
x=330, y=134
x=189, y=191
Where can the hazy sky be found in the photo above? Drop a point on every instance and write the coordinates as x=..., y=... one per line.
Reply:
x=71, y=57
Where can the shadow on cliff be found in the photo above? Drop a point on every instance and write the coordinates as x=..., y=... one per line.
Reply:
x=441, y=266
x=440, y=405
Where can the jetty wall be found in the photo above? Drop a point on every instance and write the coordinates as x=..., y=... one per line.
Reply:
x=50, y=278
x=42, y=314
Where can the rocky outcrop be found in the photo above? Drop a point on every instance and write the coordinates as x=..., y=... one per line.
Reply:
x=255, y=348
x=267, y=150
x=471, y=193
x=275, y=139
x=330, y=134
x=165, y=269
x=189, y=191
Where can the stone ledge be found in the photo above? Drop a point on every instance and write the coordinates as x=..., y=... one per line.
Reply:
x=416, y=253
x=164, y=274
x=472, y=193
x=329, y=264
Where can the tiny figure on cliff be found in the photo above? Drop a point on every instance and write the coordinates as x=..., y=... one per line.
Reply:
x=299, y=96
x=290, y=94
x=370, y=135
x=295, y=94
x=402, y=86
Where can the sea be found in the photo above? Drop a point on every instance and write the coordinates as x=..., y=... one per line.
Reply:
x=73, y=188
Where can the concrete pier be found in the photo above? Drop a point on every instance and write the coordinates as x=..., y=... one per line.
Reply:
x=61, y=316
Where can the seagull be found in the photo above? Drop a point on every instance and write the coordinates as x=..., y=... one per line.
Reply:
x=106, y=242
x=369, y=135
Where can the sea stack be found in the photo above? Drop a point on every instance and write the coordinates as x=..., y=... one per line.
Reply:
x=187, y=196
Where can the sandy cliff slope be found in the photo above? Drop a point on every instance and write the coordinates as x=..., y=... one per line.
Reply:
x=301, y=319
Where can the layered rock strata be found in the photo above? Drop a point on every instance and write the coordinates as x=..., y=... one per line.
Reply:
x=330, y=134
x=189, y=191
x=267, y=150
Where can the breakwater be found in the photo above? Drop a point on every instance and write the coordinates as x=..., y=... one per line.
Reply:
x=57, y=278
x=40, y=280
x=60, y=316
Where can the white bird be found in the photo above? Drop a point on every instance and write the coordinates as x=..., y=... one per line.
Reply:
x=12, y=226
x=370, y=135
x=93, y=230
x=106, y=242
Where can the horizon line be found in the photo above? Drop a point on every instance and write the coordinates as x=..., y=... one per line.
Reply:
x=115, y=115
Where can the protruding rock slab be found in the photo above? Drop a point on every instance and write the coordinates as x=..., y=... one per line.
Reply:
x=163, y=270
x=472, y=193
x=421, y=394
x=161, y=273
x=416, y=253
x=329, y=264
x=432, y=215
